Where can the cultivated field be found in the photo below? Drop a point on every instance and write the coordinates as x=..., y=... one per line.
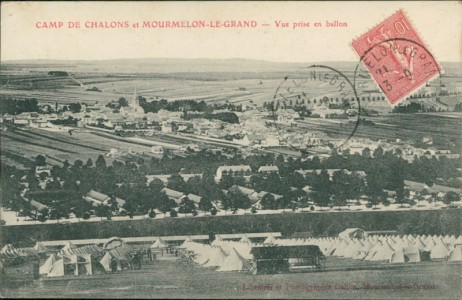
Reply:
x=22, y=146
x=174, y=279
x=235, y=81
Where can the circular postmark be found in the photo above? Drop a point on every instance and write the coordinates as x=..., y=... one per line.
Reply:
x=393, y=69
x=316, y=109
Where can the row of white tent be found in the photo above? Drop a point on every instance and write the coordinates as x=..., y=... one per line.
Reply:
x=391, y=248
x=9, y=251
x=79, y=260
x=56, y=266
x=376, y=248
x=221, y=255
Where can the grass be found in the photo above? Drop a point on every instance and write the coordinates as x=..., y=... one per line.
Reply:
x=171, y=279
x=319, y=223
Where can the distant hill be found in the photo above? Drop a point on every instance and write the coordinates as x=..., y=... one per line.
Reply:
x=181, y=65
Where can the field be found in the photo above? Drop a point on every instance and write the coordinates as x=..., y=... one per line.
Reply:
x=20, y=147
x=236, y=81
x=174, y=279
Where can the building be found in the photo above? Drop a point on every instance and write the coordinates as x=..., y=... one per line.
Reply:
x=41, y=169
x=133, y=108
x=97, y=198
x=164, y=178
x=268, y=169
x=173, y=195
x=240, y=170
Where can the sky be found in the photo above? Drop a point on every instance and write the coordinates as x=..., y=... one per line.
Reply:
x=439, y=23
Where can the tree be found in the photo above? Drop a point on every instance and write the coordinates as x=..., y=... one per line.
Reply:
x=102, y=211
x=226, y=181
x=450, y=197
x=342, y=188
x=53, y=185
x=177, y=183
x=378, y=153
x=195, y=185
x=40, y=160
x=274, y=184
x=400, y=196
x=100, y=163
x=173, y=213
x=186, y=206
x=89, y=163
x=366, y=153
x=122, y=102
x=321, y=198
x=113, y=203
x=213, y=211
x=152, y=214
x=78, y=164
x=239, y=200
x=268, y=201
x=205, y=204
x=43, y=176
x=86, y=215
x=165, y=203
x=297, y=180
x=55, y=214
x=75, y=107
x=43, y=214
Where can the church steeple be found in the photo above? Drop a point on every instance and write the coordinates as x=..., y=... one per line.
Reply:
x=135, y=101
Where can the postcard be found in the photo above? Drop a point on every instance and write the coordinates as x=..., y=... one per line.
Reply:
x=231, y=149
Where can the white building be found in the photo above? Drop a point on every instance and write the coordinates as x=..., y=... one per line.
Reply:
x=243, y=170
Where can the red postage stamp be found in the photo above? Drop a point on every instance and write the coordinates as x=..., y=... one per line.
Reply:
x=396, y=57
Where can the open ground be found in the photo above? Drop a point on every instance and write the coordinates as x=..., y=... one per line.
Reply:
x=171, y=278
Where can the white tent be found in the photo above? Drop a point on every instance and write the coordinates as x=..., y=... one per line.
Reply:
x=9, y=251
x=217, y=241
x=159, y=244
x=246, y=240
x=397, y=257
x=353, y=249
x=185, y=243
x=439, y=251
x=69, y=248
x=456, y=253
x=48, y=264
x=411, y=254
x=217, y=257
x=106, y=261
x=270, y=240
x=40, y=248
x=244, y=250
x=113, y=242
x=84, y=265
x=202, y=254
x=57, y=269
x=340, y=248
x=234, y=262
x=419, y=244
x=458, y=240
x=383, y=252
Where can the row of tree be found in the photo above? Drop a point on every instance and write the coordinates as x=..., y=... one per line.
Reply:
x=384, y=170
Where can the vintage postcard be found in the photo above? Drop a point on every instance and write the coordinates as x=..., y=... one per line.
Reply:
x=231, y=149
